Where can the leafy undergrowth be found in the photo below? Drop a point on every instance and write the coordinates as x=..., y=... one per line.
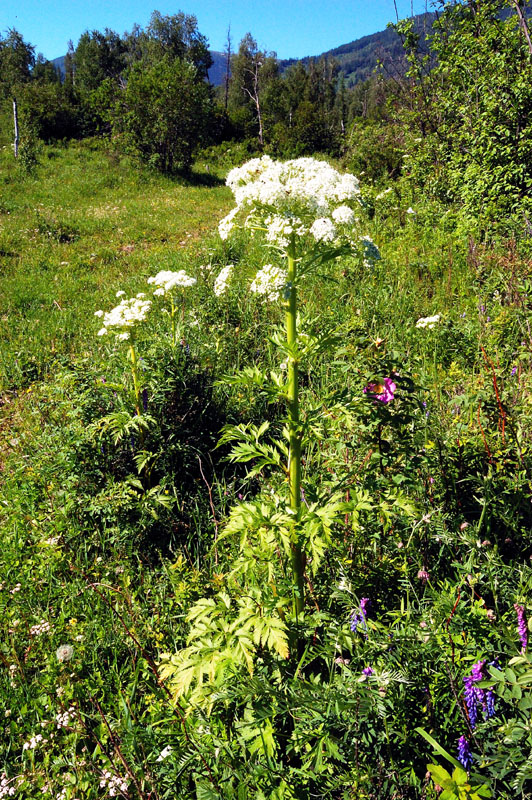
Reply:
x=148, y=645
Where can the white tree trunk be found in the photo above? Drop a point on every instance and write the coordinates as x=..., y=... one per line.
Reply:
x=15, y=121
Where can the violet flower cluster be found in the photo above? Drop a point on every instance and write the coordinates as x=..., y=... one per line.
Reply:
x=477, y=698
x=358, y=618
x=464, y=754
x=521, y=626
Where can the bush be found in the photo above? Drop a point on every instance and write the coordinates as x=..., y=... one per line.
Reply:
x=164, y=113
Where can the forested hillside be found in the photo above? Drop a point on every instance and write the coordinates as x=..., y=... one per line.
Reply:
x=266, y=418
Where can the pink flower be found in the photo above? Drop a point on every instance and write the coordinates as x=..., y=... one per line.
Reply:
x=381, y=392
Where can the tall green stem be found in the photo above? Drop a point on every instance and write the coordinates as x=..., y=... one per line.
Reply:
x=174, y=325
x=294, y=432
x=136, y=382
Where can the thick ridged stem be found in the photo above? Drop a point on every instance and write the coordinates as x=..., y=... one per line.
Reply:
x=136, y=382
x=294, y=463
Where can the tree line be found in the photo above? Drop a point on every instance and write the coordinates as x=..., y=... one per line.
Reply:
x=456, y=117
x=148, y=89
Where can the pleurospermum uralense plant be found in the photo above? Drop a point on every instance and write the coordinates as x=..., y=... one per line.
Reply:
x=308, y=216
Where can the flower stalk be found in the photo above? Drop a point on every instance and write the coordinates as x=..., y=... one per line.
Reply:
x=294, y=432
x=137, y=390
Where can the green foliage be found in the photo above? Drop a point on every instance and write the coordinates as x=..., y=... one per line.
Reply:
x=164, y=113
x=472, y=109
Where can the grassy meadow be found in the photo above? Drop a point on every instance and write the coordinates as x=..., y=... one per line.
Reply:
x=131, y=542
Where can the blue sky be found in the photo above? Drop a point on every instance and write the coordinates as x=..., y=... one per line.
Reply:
x=293, y=28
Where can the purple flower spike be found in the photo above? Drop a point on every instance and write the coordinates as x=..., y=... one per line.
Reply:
x=470, y=698
x=464, y=754
x=521, y=626
x=490, y=704
x=358, y=618
x=355, y=621
x=367, y=671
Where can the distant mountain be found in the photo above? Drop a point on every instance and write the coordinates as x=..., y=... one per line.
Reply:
x=59, y=64
x=358, y=59
x=217, y=71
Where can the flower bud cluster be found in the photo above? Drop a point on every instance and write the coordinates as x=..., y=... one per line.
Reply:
x=65, y=718
x=40, y=629
x=114, y=784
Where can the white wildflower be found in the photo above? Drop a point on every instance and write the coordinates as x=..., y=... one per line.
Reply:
x=270, y=281
x=168, y=280
x=124, y=317
x=410, y=210
x=428, y=322
x=98, y=313
x=222, y=279
x=121, y=293
x=7, y=789
x=304, y=183
x=66, y=718
x=226, y=225
x=323, y=230
x=38, y=630
x=343, y=215
x=34, y=741
x=113, y=783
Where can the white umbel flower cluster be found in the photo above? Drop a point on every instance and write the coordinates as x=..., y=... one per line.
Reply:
x=301, y=188
x=269, y=281
x=222, y=279
x=323, y=230
x=343, y=215
x=428, y=322
x=279, y=228
x=166, y=280
x=124, y=317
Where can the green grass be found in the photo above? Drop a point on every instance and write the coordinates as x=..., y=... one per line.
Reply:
x=86, y=224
